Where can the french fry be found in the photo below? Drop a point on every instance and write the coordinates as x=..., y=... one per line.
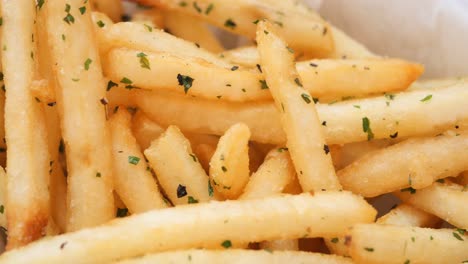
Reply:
x=276, y=172
x=229, y=166
x=3, y=189
x=326, y=80
x=446, y=201
x=133, y=180
x=80, y=92
x=190, y=28
x=332, y=79
x=177, y=168
x=298, y=116
x=136, y=36
x=211, y=225
x=237, y=256
x=374, y=243
x=304, y=31
x=342, y=122
x=402, y=215
x=112, y=8
x=145, y=130
x=412, y=164
x=27, y=196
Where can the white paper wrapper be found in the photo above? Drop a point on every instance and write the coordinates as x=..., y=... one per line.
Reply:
x=432, y=32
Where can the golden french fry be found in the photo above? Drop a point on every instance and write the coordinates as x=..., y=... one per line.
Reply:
x=216, y=224
x=145, y=130
x=112, y=8
x=447, y=201
x=133, y=180
x=177, y=168
x=326, y=80
x=334, y=79
x=342, y=122
x=402, y=215
x=407, y=215
x=229, y=166
x=374, y=243
x=192, y=29
x=413, y=164
x=304, y=30
x=27, y=196
x=276, y=172
x=237, y=256
x=143, y=37
x=298, y=115
x=80, y=95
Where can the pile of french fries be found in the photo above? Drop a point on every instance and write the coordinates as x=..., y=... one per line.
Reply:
x=146, y=141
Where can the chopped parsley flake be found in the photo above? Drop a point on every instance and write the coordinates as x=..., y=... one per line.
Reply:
x=144, y=63
x=128, y=82
x=183, y=4
x=82, y=10
x=149, y=28
x=366, y=128
x=69, y=19
x=2, y=209
x=181, y=191
x=100, y=24
x=369, y=249
x=210, y=189
x=394, y=135
x=409, y=189
x=326, y=149
x=98, y=174
x=407, y=261
x=185, y=81
x=133, y=160
x=110, y=84
x=334, y=240
x=290, y=49
x=306, y=98
x=282, y=149
x=234, y=68
x=264, y=85
x=298, y=82
x=121, y=212
x=193, y=157
x=209, y=9
x=457, y=236
x=226, y=244
x=224, y=169
x=40, y=3
x=192, y=200
x=313, y=65
x=427, y=98
x=87, y=63
x=195, y=5
x=230, y=24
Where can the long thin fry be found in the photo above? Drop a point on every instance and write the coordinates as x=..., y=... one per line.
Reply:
x=382, y=244
x=229, y=166
x=342, y=122
x=80, y=95
x=27, y=197
x=304, y=30
x=298, y=115
x=412, y=164
x=237, y=256
x=133, y=180
x=326, y=80
x=212, y=225
x=445, y=200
